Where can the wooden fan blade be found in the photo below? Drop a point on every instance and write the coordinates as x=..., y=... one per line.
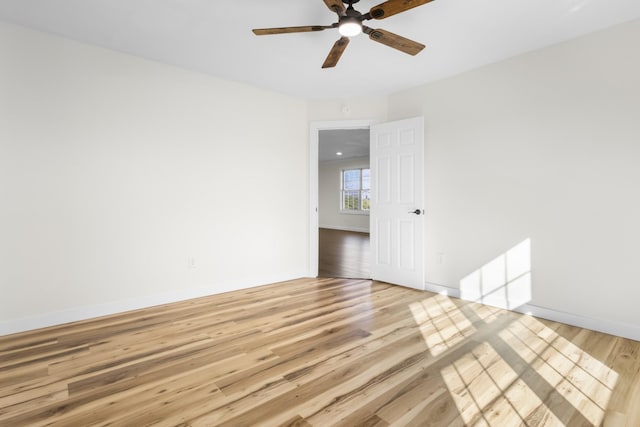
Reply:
x=285, y=30
x=336, y=52
x=335, y=6
x=395, y=41
x=392, y=7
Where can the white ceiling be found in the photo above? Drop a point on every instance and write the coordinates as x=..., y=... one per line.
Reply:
x=214, y=36
x=350, y=142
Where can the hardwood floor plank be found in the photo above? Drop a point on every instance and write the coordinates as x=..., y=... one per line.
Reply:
x=11, y=378
x=343, y=254
x=439, y=412
x=23, y=401
x=28, y=358
x=373, y=421
x=319, y=388
x=319, y=352
x=313, y=364
x=103, y=359
x=296, y=421
x=390, y=386
x=252, y=406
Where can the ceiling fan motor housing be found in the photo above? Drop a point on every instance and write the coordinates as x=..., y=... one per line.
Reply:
x=351, y=15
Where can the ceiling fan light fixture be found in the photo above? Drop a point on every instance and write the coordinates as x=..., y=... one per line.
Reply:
x=350, y=27
x=350, y=24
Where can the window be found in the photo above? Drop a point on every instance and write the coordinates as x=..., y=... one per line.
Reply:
x=355, y=191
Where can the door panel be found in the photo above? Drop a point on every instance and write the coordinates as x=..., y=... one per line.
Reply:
x=383, y=185
x=383, y=254
x=397, y=234
x=407, y=245
x=406, y=174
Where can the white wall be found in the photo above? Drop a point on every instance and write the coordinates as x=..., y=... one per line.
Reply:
x=114, y=171
x=125, y=183
x=546, y=147
x=329, y=173
x=368, y=108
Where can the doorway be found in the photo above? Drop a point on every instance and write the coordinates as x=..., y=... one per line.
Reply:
x=397, y=212
x=344, y=200
x=339, y=237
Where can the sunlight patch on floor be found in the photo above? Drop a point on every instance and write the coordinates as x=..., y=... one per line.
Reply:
x=486, y=313
x=441, y=323
x=490, y=389
x=580, y=378
x=487, y=391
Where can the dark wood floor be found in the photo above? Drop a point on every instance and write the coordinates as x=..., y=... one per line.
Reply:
x=319, y=352
x=343, y=254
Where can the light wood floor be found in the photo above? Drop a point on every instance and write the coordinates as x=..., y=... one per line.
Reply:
x=343, y=254
x=319, y=352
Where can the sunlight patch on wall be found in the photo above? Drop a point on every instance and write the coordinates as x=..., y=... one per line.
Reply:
x=441, y=323
x=503, y=282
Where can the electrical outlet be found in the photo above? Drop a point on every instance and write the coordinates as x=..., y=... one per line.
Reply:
x=191, y=262
x=440, y=256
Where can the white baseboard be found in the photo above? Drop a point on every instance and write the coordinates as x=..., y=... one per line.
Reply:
x=341, y=228
x=44, y=320
x=620, y=329
x=443, y=290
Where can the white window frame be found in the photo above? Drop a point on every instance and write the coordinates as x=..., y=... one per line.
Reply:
x=341, y=191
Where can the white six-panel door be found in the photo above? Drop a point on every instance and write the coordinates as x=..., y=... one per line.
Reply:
x=397, y=202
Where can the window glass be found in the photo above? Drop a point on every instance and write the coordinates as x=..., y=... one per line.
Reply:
x=355, y=190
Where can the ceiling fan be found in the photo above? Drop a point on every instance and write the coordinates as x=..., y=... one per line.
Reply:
x=350, y=24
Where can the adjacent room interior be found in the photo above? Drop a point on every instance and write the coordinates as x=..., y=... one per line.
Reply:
x=181, y=244
x=343, y=203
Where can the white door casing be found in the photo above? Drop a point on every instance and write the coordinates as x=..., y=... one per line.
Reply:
x=397, y=202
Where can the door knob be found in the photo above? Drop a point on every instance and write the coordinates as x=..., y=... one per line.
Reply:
x=417, y=212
